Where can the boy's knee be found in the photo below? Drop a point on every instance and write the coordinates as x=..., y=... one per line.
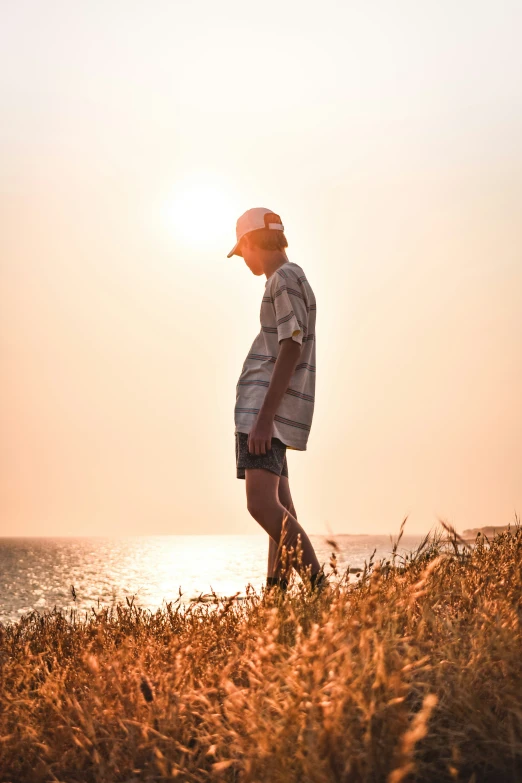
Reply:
x=260, y=509
x=272, y=512
x=254, y=508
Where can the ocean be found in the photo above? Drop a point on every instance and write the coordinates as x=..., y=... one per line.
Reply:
x=39, y=573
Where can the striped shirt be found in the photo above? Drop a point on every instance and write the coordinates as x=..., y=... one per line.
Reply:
x=288, y=309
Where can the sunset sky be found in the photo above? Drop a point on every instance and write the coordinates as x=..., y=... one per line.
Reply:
x=132, y=136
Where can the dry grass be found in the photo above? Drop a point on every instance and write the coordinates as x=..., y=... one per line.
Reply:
x=414, y=673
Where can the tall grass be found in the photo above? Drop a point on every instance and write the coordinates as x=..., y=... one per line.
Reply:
x=412, y=673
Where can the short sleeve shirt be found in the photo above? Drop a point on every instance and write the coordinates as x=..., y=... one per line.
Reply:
x=288, y=309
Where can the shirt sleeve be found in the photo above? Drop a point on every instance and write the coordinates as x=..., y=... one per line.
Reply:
x=291, y=309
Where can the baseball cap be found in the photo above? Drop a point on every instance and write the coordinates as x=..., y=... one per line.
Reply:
x=251, y=220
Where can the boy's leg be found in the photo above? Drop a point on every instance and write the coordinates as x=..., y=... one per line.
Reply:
x=274, y=553
x=262, y=490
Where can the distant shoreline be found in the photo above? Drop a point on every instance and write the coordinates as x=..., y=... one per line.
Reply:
x=489, y=531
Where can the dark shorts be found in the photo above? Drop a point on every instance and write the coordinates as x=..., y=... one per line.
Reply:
x=274, y=460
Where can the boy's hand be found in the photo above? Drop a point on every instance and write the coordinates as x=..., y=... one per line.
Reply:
x=260, y=436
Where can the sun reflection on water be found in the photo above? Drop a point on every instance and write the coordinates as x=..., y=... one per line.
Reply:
x=38, y=573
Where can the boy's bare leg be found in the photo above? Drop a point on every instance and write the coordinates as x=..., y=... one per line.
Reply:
x=262, y=490
x=275, y=565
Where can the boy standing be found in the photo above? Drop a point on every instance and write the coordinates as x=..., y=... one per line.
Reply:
x=275, y=392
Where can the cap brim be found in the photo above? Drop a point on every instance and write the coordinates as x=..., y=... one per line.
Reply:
x=233, y=251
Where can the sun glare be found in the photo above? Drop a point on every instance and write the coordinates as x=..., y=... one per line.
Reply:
x=202, y=213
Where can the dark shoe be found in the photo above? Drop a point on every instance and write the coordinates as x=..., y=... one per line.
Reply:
x=319, y=582
x=276, y=582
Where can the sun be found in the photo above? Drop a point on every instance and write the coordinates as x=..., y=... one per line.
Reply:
x=202, y=213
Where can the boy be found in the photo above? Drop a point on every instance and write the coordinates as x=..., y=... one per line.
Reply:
x=275, y=392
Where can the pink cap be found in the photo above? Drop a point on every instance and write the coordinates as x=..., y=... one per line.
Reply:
x=251, y=220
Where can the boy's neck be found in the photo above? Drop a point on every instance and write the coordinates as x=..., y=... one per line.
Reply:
x=273, y=260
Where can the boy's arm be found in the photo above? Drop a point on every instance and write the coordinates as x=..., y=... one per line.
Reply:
x=259, y=439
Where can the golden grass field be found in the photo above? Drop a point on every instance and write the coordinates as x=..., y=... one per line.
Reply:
x=413, y=673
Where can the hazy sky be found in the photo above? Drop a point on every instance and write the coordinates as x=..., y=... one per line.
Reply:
x=133, y=134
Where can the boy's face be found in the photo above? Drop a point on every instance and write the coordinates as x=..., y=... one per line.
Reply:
x=251, y=256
